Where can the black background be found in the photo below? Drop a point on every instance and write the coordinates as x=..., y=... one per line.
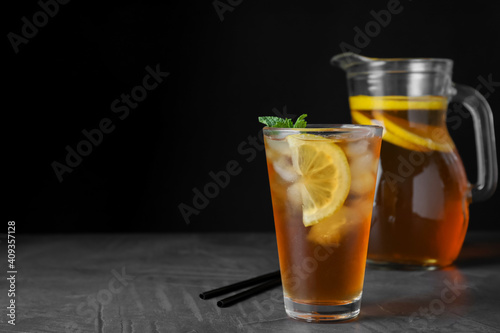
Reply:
x=261, y=58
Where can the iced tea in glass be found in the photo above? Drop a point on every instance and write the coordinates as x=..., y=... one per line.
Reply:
x=322, y=181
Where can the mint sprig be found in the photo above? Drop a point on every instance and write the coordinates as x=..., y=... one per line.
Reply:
x=272, y=121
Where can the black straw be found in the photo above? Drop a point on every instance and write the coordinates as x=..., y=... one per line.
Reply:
x=239, y=285
x=248, y=293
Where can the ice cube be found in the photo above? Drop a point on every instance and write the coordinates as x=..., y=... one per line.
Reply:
x=329, y=231
x=359, y=209
x=294, y=194
x=362, y=183
x=284, y=168
x=357, y=148
x=362, y=163
x=277, y=148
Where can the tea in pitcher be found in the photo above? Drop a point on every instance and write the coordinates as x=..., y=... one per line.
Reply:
x=420, y=213
x=421, y=208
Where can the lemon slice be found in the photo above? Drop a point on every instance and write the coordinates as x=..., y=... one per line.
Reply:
x=395, y=103
x=439, y=139
x=361, y=119
x=325, y=177
x=418, y=137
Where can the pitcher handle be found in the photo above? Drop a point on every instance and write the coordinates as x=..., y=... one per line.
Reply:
x=487, y=169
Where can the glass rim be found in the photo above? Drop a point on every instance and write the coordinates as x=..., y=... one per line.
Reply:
x=402, y=65
x=330, y=129
x=324, y=127
x=355, y=64
x=421, y=59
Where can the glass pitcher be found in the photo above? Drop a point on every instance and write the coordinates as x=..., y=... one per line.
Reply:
x=421, y=207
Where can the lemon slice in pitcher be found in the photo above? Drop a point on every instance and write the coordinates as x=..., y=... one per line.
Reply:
x=431, y=137
x=325, y=175
x=361, y=119
x=414, y=136
x=397, y=103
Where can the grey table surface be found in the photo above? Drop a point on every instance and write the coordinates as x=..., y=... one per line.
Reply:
x=151, y=282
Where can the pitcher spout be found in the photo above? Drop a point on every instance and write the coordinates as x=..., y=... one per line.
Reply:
x=348, y=59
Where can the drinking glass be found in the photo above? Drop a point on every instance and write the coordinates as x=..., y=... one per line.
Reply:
x=322, y=181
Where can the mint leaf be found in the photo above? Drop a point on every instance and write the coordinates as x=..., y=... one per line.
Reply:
x=272, y=121
x=300, y=122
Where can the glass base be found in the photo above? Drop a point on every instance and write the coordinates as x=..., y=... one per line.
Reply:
x=322, y=313
x=401, y=266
